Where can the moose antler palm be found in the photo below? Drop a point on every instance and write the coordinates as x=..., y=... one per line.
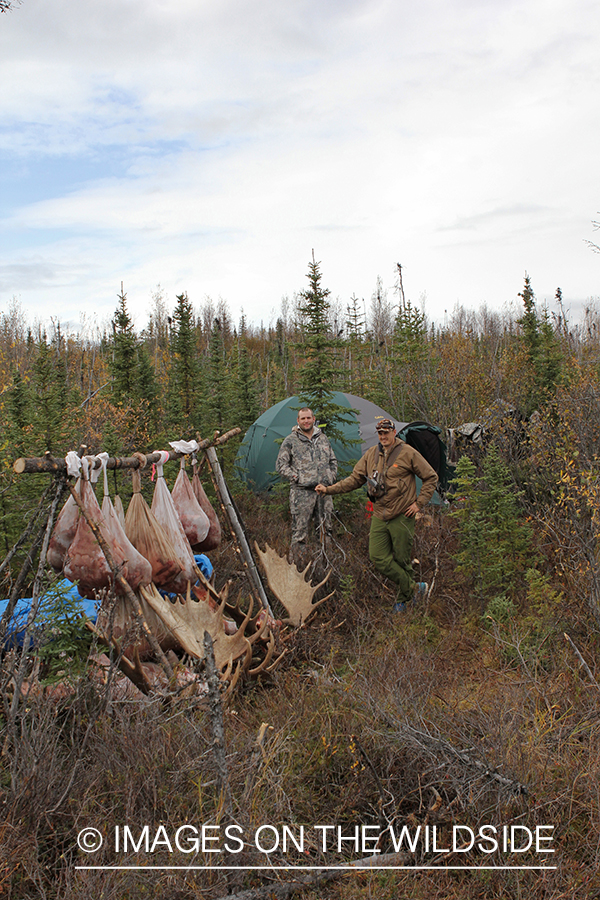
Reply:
x=290, y=586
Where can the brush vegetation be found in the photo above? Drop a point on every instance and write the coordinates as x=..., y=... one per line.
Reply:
x=480, y=706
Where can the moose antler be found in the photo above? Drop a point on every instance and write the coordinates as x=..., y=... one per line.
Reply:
x=290, y=586
x=189, y=620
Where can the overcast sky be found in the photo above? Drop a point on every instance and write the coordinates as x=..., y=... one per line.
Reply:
x=209, y=145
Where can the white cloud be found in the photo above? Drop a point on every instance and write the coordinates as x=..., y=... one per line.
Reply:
x=228, y=139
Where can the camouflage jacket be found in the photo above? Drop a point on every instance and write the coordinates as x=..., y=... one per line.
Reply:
x=306, y=462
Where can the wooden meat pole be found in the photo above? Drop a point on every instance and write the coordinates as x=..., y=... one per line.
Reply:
x=49, y=463
x=237, y=528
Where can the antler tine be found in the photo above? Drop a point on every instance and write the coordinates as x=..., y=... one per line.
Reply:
x=244, y=624
x=264, y=663
x=230, y=688
x=247, y=661
x=222, y=601
x=276, y=662
x=209, y=585
x=234, y=612
x=316, y=605
x=311, y=612
x=321, y=583
x=224, y=676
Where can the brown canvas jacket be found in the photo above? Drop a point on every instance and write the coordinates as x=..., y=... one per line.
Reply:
x=399, y=479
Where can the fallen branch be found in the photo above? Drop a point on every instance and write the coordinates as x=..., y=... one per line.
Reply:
x=286, y=889
x=581, y=660
x=433, y=747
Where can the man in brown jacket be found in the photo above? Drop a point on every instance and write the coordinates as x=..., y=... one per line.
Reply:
x=389, y=469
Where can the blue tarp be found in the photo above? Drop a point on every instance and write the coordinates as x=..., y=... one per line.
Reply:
x=66, y=592
x=63, y=589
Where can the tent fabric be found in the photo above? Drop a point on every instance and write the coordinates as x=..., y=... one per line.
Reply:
x=256, y=458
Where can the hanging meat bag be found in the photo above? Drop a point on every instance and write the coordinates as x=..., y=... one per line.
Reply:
x=213, y=537
x=85, y=562
x=138, y=568
x=167, y=516
x=64, y=531
x=150, y=538
x=194, y=520
x=119, y=511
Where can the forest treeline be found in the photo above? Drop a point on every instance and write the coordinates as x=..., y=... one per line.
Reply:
x=193, y=368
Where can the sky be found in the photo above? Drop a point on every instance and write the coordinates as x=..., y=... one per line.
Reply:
x=210, y=146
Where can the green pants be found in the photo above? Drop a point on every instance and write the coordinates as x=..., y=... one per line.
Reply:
x=390, y=549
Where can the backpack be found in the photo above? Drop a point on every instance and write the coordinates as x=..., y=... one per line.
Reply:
x=426, y=440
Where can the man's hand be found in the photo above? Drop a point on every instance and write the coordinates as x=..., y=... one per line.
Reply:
x=321, y=489
x=412, y=510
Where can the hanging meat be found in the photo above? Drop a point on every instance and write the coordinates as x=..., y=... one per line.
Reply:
x=119, y=511
x=194, y=520
x=116, y=622
x=64, y=532
x=213, y=538
x=150, y=538
x=166, y=515
x=138, y=568
x=85, y=563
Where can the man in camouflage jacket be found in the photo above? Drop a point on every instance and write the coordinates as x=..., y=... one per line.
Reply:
x=306, y=459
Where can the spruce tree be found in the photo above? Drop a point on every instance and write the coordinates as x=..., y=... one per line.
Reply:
x=495, y=539
x=542, y=348
x=19, y=404
x=185, y=385
x=124, y=363
x=319, y=376
x=217, y=398
x=410, y=362
x=51, y=400
x=355, y=327
x=246, y=408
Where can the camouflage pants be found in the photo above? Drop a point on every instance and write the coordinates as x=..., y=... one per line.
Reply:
x=304, y=504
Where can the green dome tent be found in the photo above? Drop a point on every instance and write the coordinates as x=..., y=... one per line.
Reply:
x=256, y=458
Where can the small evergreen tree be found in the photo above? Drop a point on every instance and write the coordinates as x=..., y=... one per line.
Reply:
x=320, y=373
x=245, y=406
x=124, y=363
x=542, y=347
x=495, y=540
x=51, y=400
x=218, y=383
x=355, y=327
x=410, y=360
x=185, y=387
x=19, y=406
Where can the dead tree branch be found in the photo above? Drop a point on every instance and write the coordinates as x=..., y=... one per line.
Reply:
x=286, y=889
